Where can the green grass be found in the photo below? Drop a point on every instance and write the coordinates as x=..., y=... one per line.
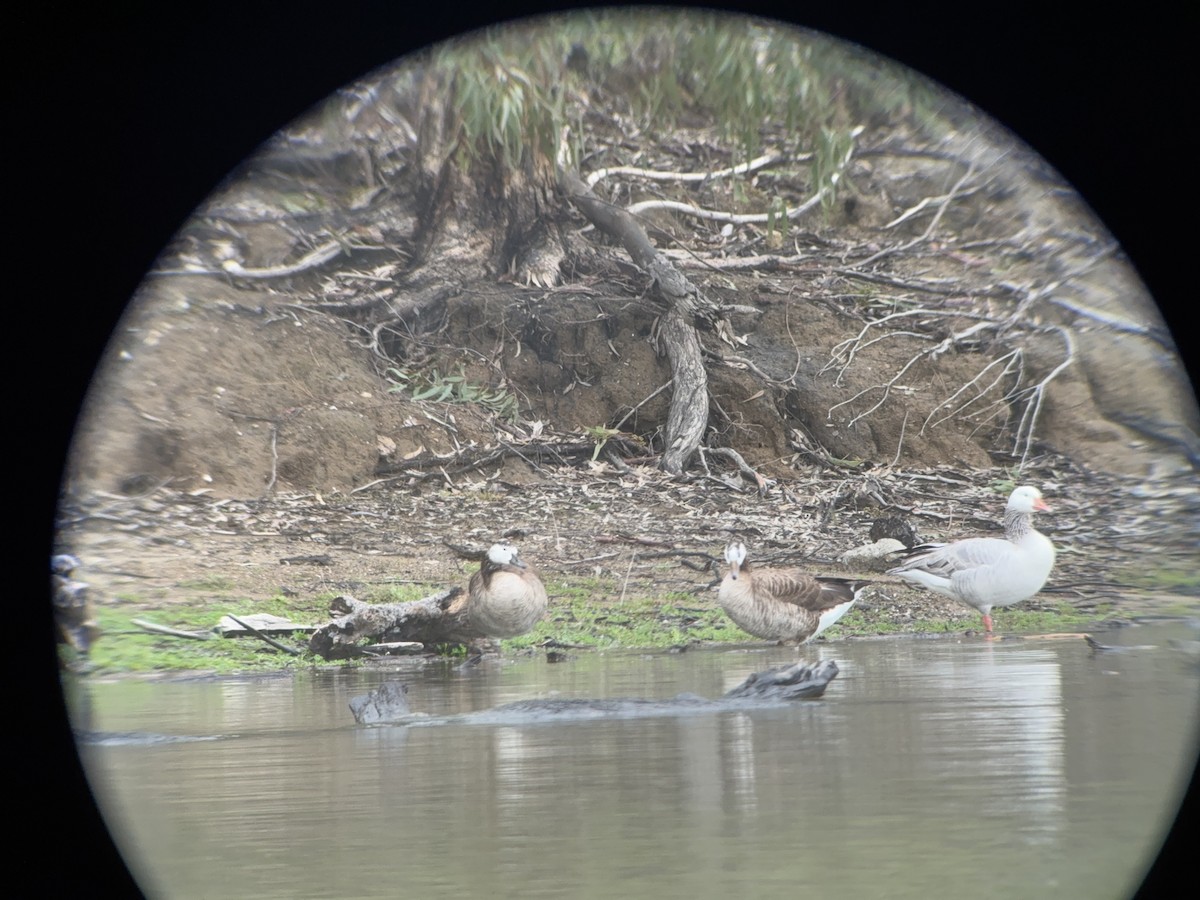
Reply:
x=124, y=647
x=1011, y=621
x=209, y=583
x=585, y=613
x=515, y=95
x=1036, y=621
x=578, y=619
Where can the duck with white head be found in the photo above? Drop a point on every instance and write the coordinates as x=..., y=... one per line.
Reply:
x=505, y=598
x=782, y=604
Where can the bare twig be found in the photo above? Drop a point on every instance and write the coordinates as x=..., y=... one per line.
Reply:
x=173, y=632
x=753, y=218
x=1013, y=364
x=741, y=362
x=274, y=459
x=900, y=442
x=886, y=388
x=625, y=583
x=1036, y=395
x=689, y=258
x=929, y=201
x=311, y=260
x=650, y=397
x=849, y=348
x=1111, y=321
x=943, y=205
x=745, y=468
x=291, y=651
x=942, y=286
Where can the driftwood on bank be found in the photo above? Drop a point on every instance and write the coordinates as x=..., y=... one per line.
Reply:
x=427, y=621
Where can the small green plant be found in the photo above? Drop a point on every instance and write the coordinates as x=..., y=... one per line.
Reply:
x=600, y=435
x=1005, y=484
x=830, y=150
x=777, y=223
x=439, y=388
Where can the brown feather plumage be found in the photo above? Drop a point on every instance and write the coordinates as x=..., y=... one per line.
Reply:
x=782, y=604
x=505, y=597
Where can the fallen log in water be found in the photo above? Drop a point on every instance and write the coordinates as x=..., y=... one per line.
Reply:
x=388, y=704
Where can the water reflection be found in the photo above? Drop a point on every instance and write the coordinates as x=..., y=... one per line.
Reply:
x=1003, y=768
x=1003, y=755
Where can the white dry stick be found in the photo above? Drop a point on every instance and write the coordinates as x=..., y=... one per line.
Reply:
x=930, y=353
x=752, y=218
x=688, y=259
x=274, y=459
x=1115, y=322
x=1037, y=395
x=1013, y=363
x=928, y=201
x=744, y=467
x=718, y=215
x=885, y=387
x=558, y=543
x=900, y=443
x=850, y=347
x=736, y=362
x=320, y=256
x=625, y=583
x=754, y=165
x=697, y=212
x=863, y=345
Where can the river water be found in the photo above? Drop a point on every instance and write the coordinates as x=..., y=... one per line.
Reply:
x=938, y=767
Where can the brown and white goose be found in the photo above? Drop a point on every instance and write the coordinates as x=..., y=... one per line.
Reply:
x=782, y=604
x=988, y=572
x=505, y=597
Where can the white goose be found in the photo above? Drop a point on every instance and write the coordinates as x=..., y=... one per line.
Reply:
x=784, y=604
x=505, y=597
x=988, y=572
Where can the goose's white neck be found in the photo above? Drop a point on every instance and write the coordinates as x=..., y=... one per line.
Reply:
x=1017, y=524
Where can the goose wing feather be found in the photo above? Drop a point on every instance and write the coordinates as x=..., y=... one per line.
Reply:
x=947, y=560
x=801, y=589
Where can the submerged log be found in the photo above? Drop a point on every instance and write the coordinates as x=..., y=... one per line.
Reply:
x=388, y=704
x=429, y=620
x=794, y=682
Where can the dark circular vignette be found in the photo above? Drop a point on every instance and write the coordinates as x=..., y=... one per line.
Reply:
x=135, y=115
